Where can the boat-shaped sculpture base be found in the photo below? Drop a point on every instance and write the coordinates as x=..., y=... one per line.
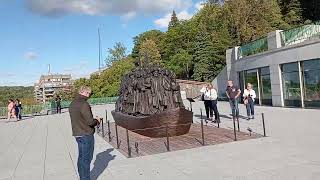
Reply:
x=177, y=120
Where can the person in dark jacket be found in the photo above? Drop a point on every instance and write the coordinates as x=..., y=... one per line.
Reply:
x=83, y=128
x=58, y=104
x=18, y=109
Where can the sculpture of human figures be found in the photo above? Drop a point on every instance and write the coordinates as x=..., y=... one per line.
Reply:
x=148, y=90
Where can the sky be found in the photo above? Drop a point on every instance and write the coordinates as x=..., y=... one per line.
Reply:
x=63, y=33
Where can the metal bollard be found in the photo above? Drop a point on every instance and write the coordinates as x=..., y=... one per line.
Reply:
x=128, y=143
x=202, y=133
x=109, y=132
x=234, y=128
x=117, y=137
x=264, y=126
x=102, y=126
x=136, y=145
x=238, y=124
x=167, y=134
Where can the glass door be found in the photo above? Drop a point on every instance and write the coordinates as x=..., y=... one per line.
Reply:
x=311, y=81
x=251, y=76
x=291, y=85
x=265, y=86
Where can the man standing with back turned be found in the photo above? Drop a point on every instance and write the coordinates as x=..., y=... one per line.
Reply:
x=83, y=124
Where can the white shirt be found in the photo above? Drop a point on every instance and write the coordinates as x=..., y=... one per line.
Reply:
x=251, y=92
x=209, y=94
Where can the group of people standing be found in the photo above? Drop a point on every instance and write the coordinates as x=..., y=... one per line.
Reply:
x=233, y=92
x=14, y=109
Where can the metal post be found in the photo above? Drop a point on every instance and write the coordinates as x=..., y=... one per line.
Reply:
x=191, y=106
x=202, y=134
x=200, y=113
x=117, y=137
x=102, y=124
x=109, y=132
x=128, y=143
x=167, y=134
x=264, y=126
x=234, y=128
x=238, y=124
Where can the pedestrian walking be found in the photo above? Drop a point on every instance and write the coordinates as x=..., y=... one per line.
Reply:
x=18, y=106
x=249, y=96
x=11, y=109
x=83, y=128
x=58, y=104
x=209, y=96
x=233, y=93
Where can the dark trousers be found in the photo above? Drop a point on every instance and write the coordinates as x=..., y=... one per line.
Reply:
x=234, y=107
x=59, y=109
x=86, y=148
x=19, y=113
x=211, y=106
x=250, y=107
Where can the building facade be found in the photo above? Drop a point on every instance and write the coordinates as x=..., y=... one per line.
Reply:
x=283, y=67
x=49, y=85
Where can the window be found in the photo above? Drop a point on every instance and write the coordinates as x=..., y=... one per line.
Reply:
x=291, y=84
x=311, y=82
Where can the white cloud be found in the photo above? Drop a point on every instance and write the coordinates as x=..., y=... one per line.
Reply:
x=199, y=5
x=164, y=21
x=79, y=70
x=128, y=16
x=126, y=8
x=31, y=55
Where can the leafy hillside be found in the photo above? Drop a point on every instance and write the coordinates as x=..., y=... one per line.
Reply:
x=25, y=94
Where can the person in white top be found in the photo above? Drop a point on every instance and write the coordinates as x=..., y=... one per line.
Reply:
x=209, y=96
x=249, y=96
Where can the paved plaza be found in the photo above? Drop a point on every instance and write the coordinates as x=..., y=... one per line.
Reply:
x=42, y=148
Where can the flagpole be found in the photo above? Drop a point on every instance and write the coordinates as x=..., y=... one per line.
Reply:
x=99, y=49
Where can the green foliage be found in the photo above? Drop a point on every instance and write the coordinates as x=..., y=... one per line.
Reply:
x=311, y=9
x=174, y=20
x=203, y=57
x=292, y=11
x=249, y=20
x=107, y=84
x=149, y=53
x=181, y=64
x=116, y=53
x=154, y=35
x=25, y=94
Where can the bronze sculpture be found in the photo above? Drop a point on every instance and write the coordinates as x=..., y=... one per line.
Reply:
x=150, y=98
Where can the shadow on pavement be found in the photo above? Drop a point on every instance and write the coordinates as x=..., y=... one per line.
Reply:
x=101, y=163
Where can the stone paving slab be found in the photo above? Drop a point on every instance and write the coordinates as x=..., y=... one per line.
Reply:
x=43, y=148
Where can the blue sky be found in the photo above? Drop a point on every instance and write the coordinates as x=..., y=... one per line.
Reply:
x=63, y=33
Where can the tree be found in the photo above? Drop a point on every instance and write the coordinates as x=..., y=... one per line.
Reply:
x=203, y=56
x=174, y=20
x=292, y=11
x=154, y=35
x=181, y=64
x=311, y=9
x=249, y=20
x=116, y=53
x=149, y=53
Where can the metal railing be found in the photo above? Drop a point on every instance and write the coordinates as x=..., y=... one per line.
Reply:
x=300, y=34
x=254, y=47
x=201, y=136
x=51, y=106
